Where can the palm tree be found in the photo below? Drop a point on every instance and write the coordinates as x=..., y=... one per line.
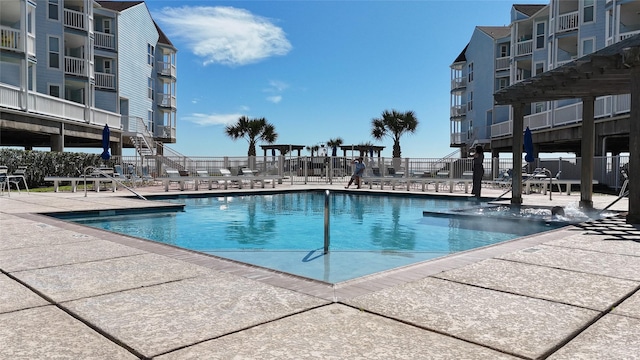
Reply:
x=394, y=124
x=252, y=130
x=333, y=144
x=313, y=149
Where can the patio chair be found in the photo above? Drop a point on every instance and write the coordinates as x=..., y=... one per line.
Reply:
x=146, y=178
x=133, y=175
x=4, y=181
x=18, y=177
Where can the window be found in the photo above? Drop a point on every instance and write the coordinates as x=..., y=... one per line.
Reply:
x=54, y=90
x=54, y=52
x=150, y=86
x=470, y=72
x=150, y=121
x=470, y=101
x=539, y=68
x=150, y=52
x=587, y=46
x=54, y=9
x=107, y=66
x=106, y=26
x=504, y=50
x=503, y=83
x=540, y=32
x=588, y=11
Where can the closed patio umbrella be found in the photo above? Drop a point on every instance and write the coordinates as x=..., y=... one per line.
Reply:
x=528, y=145
x=105, y=143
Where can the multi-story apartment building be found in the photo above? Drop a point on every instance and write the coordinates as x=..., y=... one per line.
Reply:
x=70, y=67
x=540, y=38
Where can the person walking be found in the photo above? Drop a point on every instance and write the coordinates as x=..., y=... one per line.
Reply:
x=478, y=171
x=358, y=171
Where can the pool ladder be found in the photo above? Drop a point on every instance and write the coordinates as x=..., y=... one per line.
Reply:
x=95, y=170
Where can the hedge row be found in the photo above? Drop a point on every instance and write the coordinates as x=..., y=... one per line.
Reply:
x=42, y=163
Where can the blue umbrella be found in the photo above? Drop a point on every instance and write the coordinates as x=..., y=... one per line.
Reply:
x=528, y=145
x=334, y=151
x=370, y=151
x=105, y=143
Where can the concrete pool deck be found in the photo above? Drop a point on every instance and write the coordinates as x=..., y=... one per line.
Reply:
x=68, y=291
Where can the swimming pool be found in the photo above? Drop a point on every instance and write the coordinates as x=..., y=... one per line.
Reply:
x=285, y=231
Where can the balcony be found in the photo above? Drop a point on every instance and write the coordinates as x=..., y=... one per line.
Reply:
x=567, y=22
x=75, y=66
x=164, y=132
x=10, y=39
x=166, y=100
x=524, y=47
x=104, y=41
x=458, y=110
x=74, y=19
x=166, y=69
x=456, y=139
x=502, y=63
x=105, y=81
x=459, y=83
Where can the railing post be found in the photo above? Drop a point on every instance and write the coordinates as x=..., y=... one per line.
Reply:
x=326, y=222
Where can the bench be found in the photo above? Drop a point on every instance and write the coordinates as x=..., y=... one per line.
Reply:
x=75, y=180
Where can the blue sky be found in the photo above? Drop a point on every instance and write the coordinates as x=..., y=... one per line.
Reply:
x=317, y=70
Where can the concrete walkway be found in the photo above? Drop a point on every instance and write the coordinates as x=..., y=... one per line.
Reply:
x=71, y=292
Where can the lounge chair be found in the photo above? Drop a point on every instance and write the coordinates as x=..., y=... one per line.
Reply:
x=210, y=180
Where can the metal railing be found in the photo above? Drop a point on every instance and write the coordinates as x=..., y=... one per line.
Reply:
x=332, y=169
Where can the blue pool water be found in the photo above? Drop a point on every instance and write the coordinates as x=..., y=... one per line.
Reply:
x=285, y=232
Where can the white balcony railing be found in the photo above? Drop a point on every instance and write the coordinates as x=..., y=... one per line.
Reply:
x=10, y=39
x=459, y=82
x=74, y=19
x=502, y=63
x=105, y=81
x=524, y=47
x=165, y=132
x=622, y=104
x=502, y=129
x=568, y=114
x=567, y=22
x=628, y=35
x=456, y=138
x=75, y=66
x=539, y=120
x=166, y=100
x=166, y=69
x=37, y=103
x=458, y=110
x=104, y=40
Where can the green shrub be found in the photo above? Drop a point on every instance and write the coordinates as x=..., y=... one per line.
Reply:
x=42, y=163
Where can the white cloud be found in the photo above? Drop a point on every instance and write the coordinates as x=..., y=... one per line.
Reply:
x=212, y=119
x=274, y=99
x=277, y=86
x=224, y=35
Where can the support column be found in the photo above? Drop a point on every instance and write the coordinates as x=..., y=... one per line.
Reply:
x=587, y=150
x=517, y=143
x=633, y=217
x=57, y=141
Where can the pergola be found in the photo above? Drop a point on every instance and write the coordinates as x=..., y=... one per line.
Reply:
x=613, y=70
x=284, y=148
x=361, y=149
